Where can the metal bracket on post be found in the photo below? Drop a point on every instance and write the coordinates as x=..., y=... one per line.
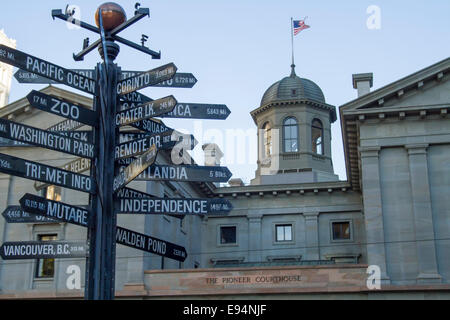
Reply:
x=140, y=13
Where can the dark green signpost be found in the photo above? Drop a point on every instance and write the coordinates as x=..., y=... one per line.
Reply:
x=116, y=104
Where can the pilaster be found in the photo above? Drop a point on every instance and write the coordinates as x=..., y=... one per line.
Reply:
x=423, y=218
x=373, y=212
x=254, y=237
x=312, y=235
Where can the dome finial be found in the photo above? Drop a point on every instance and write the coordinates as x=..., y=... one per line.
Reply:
x=293, y=75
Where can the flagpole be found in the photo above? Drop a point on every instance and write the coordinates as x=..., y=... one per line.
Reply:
x=292, y=39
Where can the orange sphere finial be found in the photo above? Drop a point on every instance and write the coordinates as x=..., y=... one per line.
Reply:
x=113, y=15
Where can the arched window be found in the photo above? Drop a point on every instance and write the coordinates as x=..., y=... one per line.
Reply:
x=267, y=139
x=317, y=136
x=290, y=135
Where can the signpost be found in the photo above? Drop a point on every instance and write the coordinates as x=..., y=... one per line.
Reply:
x=114, y=157
x=150, y=244
x=62, y=108
x=42, y=250
x=55, y=210
x=51, y=175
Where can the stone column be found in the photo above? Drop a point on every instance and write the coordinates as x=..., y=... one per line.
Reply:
x=373, y=213
x=254, y=237
x=423, y=217
x=312, y=235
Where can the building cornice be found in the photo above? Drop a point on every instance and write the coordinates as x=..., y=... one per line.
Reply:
x=317, y=104
x=282, y=189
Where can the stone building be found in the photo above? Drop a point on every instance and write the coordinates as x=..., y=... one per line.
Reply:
x=296, y=230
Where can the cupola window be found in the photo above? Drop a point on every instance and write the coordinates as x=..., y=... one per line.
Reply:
x=317, y=136
x=267, y=140
x=290, y=135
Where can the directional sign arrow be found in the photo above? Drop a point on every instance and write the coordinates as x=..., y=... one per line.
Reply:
x=135, y=168
x=23, y=76
x=77, y=166
x=151, y=126
x=85, y=136
x=42, y=250
x=165, y=140
x=15, y=214
x=82, y=135
x=173, y=206
x=146, y=79
x=66, y=125
x=45, y=139
x=51, y=175
x=145, y=111
x=199, y=111
x=46, y=69
x=62, y=108
x=180, y=80
x=150, y=244
x=134, y=97
x=55, y=210
x=186, y=173
x=131, y=193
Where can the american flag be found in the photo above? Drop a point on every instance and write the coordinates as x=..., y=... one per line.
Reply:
x=299, y=25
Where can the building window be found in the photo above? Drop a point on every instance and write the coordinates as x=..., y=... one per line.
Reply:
x=283, y=232
x=267, y=140
x=228, y=235
x=290, y=135
x=45, y=268
x=341, y=230
x=317, y=136
x=53, y=193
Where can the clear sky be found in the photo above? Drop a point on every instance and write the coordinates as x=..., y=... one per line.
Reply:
x=237, y=49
